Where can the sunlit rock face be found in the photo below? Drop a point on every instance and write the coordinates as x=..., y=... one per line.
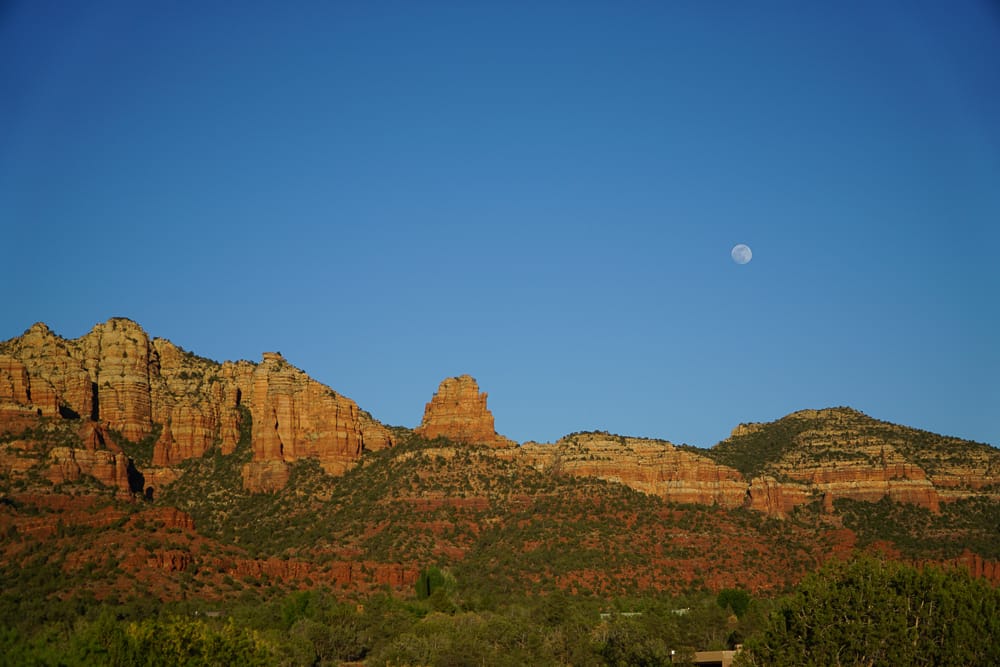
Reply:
x=296, y=417
x=458, y=412
x=116, y=382
x=655, y=467
x=182, y=405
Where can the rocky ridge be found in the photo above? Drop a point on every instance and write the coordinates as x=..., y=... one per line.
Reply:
x=807, y=456
x=267, y=467
x=655, y=467
x=118, y=384
x=842, y=453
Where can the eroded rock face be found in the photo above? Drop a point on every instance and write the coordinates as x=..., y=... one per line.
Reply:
x=19, y=396
x=458, y=412
x=768, y=495
x=655, y=467
x=68, y=464
x=196, y=401
x=841, y=453
x=116, y=379
x=807, y=456
x=56, y=362
x=13, y=381
x=116, y=356
x=296, y=417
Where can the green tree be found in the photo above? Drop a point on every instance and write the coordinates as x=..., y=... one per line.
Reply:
x=627, y=642
x=181, y=641
x=430, y=580
x=870, y=612
x=735, y=599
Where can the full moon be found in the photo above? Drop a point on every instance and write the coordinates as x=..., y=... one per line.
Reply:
x=741, y=253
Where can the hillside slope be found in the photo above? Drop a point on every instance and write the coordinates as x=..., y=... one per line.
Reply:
x=131, y=467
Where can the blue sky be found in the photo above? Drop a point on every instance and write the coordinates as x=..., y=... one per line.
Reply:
x=543, y=195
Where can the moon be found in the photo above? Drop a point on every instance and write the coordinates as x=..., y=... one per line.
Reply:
x=741, y=253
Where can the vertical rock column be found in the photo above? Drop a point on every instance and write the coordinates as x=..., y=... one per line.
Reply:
x=116, y=354
x=458, y=412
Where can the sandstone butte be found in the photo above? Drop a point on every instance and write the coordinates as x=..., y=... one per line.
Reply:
x=116, y=380
x=458, y=412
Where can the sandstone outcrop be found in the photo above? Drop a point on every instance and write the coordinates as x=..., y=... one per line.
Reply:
x=116, y=356
x=458, y=412
x=116, y=380
x=768, y=495
x=68, y=464
x=20, y=399
x=164, y=517
x=842, y=453
x=296, y=417
x=171, y=560
x=196, y=401
x=808, y=455
x=655, y=467
x=977, y=566
x=13, y=381
x=57, y=362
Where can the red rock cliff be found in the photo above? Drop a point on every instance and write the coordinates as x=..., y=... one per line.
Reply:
x=296, y=417
x=655, y=467
x=115, y=376
x=458, y=412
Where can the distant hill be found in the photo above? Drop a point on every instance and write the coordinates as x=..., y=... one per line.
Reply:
x=129, y=464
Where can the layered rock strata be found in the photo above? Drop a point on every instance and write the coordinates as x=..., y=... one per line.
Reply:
x=181, y=405
x=116, y=382
x=655, y=467
x=842, y=453
x=296, y=417
x=458, y=412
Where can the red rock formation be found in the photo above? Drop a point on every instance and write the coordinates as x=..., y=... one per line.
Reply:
x=265, y=476
x=116, y=356
x=977, y=566
x=13, y=381
x=94, y=436
x=296, y=417
x=21, y=397
x=69, y=465
x=15, y=418
x=655, y=467
x=67, y=511
x=768, y=495
x=116, y=376
x=196, y=431
x=900, y=482
x=172, y=560
x=196, y=401
x=16, y=457
x=164, y=517
x=51, y=358
x=458, y=412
